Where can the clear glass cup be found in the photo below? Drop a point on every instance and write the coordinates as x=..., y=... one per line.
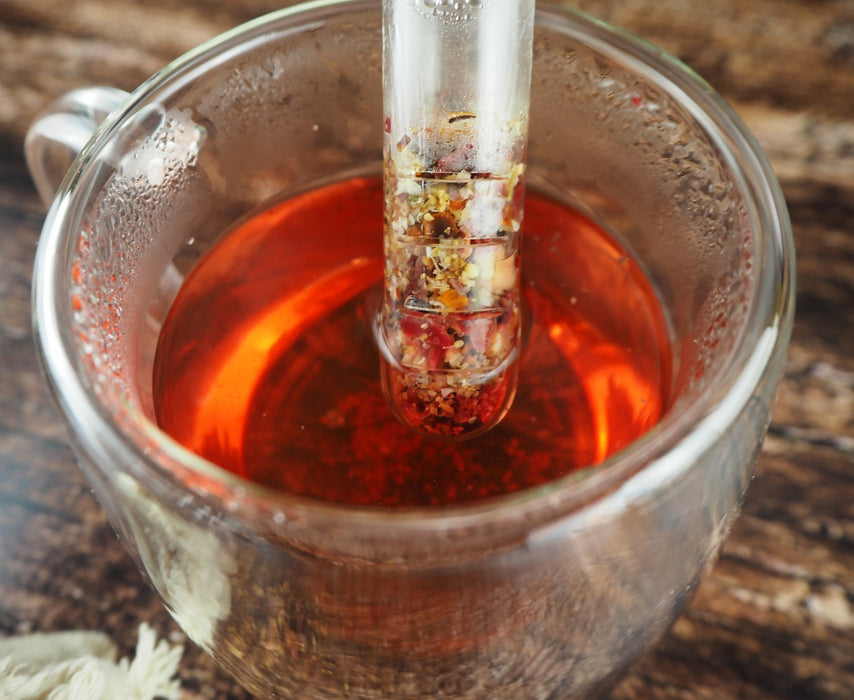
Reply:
x=545, y=593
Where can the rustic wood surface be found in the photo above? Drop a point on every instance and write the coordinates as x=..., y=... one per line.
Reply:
x=775, y=618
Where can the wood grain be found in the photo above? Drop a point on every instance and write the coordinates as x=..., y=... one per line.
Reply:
x=775, y=617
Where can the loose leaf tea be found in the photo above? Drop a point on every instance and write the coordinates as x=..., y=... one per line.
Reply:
x=456, y=95
x=450, y=318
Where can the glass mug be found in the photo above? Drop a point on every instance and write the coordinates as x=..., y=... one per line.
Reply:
x=545, y=593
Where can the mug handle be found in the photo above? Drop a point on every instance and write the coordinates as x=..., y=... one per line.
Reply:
x=61, y=131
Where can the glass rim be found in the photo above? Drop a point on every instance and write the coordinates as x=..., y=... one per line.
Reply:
x=153, y=456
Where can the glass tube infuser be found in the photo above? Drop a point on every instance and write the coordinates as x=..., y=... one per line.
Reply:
x=456, y=87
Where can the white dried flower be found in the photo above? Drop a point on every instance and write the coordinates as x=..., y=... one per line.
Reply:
x=82, y=666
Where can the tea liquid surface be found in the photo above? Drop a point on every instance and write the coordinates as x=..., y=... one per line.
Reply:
x=267, y=364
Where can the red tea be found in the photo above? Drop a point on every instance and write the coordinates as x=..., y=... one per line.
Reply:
x=267, y=363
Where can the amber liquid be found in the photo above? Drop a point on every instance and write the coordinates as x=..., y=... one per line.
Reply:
x=267, y=363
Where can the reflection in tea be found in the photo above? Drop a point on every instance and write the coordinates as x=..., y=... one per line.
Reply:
x=267, y=364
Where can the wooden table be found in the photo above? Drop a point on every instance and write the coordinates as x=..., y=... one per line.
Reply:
x=775, y=619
